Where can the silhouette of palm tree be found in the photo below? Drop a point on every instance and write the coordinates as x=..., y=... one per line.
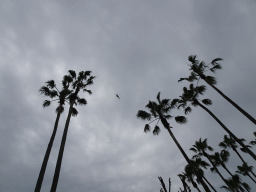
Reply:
x=199, y=68
x=51, y=91
x=81, y=82
x=160, y=111
x=244, y=170
x=235, y=184
x=190, y=96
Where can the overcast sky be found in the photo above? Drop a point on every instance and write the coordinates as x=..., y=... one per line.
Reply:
x=136, y=48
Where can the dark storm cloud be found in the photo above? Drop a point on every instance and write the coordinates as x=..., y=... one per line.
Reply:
x=136, y=49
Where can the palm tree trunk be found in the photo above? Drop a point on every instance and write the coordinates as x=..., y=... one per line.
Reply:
x=234, y=149
x=251, y=177
x=227, y=170
x=226, y=129
x=46, y=156
x=61, y=151
x=209, y=183
x=233, y=103
x=199, y=177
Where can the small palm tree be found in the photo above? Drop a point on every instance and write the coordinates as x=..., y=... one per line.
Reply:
x=163, y=189
x=235, y=184
x=81, y=82
x=228, y=143
x=51, y=91
x=199, y=164
x=220, y=159
x=245, y=170
x=201, y=148
x=199, y=68
x=160, y=112
x=190, y=97
x=185, y=185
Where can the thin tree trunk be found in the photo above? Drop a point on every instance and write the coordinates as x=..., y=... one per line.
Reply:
x=226, y=129
x=46, y=156
x=61, y=151
x=199, y=177
x=233, y=103
x=234, y=149
x=251, y=177
x=209, y=183
x=227, y=170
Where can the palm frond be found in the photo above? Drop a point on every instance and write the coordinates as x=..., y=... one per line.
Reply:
x=46, y=103
x=181, y=119
x=200, y=89
x=45, y=90
x=192, y=59
x=214, y=61
x=72, y=74
x=144, y=115
x=174, y=102
x=182, y=79
x=216, y=67
x=187, y=110
x=88, y=91
x=74, y=112
x=146, y=128
x=81, y=101
x=168, y=116
x=59, y=109
x=50, y=84
x=207, y=101
x=211, y=80
x=156, y=130
x=193, y=149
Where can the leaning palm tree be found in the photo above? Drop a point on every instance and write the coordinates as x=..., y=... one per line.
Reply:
x=245, y=170
x=200, y=148
x=235, y=184
x=228, y=143
x=199, y=68
x=51, y=91
x=160, y=112
x=81, y=82
x=190, y=97
x=220, y=159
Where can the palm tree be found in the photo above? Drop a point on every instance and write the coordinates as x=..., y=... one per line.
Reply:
x=235, y=184
x=185, y=185
x=191, y=96
x=51, y=91
x=199, y=164
x=244, y=170
x=81, y=82
x=189, y=175
x=198, y=70
x=228, y=143
x=221, y=159
x=160, y=111
x=163, y=189
x=201, y=148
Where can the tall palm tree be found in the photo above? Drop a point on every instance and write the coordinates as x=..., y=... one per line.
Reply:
x=235, y=184
x=220, y=159
x=190, y=97
x=81, y=82
x=199, y=68
x=244, y=170
x=51, y=91
x=160, y=111
x=201, y=147
x=228, y=143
